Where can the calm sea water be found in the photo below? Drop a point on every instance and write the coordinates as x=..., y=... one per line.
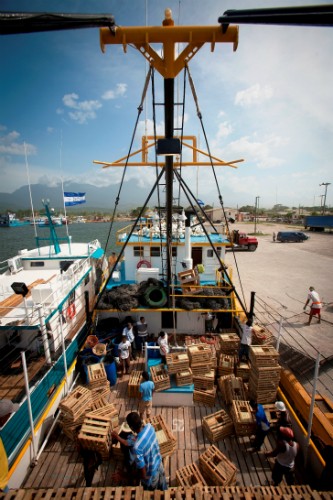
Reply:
x=13, y=239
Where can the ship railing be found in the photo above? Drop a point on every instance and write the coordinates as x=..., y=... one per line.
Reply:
x=60, y=286
x=3, y=266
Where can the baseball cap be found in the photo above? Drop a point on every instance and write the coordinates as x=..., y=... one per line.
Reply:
x=280, y=406
x=7, y=406
x=287, y=432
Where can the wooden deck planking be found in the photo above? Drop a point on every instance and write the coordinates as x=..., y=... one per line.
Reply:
x=61, y=466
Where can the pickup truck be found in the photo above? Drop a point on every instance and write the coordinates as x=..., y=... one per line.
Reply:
x=241, y=241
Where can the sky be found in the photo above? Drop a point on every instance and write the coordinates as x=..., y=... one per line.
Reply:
x=63, y=104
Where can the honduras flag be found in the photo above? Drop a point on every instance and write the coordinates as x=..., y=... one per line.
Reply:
x=72, y=199
x=200, y=202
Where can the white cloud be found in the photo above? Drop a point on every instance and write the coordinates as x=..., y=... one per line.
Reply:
x=224, y=129
x=253, y=95
x=9, y=144
x=113, y=94
x=262, y=153
x=82, y=110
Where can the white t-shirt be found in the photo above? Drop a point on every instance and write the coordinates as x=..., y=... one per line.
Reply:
x=163, y=343
x=315, y=299
x=124, y=348
x=129, y=333
x=247, y=335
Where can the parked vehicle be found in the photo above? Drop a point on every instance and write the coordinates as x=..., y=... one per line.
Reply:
x=291, y=236
x=242, y=241
x=318, y=222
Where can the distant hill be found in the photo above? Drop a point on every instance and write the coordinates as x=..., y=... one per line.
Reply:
x=96, y=197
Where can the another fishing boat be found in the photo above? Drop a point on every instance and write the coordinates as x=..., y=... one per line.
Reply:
x=46, y=297
x=10, y=220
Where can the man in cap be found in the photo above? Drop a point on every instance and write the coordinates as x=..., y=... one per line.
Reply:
x=285, y=454
x=7, y=407
x=284, y=419
x=315, y=306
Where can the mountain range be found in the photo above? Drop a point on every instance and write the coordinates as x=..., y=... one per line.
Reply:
x=132, y=196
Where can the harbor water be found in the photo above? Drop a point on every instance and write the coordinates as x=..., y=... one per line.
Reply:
x=13, y=239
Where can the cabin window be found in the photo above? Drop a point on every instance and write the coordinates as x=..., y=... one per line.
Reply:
x=138, y=251
x=86, y=279
x=37, y=263
x=169, y=319
x=174, y=251
x=65, y=264
x=155, y=252
x=210, y=252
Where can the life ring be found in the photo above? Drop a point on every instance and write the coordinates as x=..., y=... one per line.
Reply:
x=71, y=311
x=155, y=296
x=143, y=263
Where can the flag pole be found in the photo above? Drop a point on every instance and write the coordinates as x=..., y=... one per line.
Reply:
x=62, y=186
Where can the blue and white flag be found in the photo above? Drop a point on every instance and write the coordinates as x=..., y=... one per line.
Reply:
x=72, y=199
x=200, y=202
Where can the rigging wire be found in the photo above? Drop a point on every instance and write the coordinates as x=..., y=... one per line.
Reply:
x=199, y=114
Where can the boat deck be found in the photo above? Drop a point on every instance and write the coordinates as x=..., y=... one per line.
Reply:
x=60, y=465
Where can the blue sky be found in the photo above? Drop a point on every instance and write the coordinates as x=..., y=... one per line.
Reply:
x=64, y=103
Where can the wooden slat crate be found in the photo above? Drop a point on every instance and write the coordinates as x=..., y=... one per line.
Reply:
x=95, y=434
x=206, y=397
x=262, y=356
x=234, y=390
x=263, y=383
x=217, y=426
x=184, y=377
x=243, y=418
x=261, y=336
x=269, y=373
x=101, y=393
x=229, y=343
x=217, y=468
x=199, y=353
x=214, y=356
x=165, y=438
x=134, y=382
x=222, y=382
x=177, y=362
x=76, y=403
x=243, y=371
x=271, y=413
x=70, y=428
x=160, y=377
x=201, y=368
x=108, y=411
x=262, y=396
x=115, y=449
x=190, y=476
x=226, y=364
x=96, y=376
x=205, y=381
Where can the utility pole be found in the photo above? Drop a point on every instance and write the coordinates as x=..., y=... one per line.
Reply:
x=326, y=184
x=256, y=207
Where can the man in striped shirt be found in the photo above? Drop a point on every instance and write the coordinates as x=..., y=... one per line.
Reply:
x=147, y=454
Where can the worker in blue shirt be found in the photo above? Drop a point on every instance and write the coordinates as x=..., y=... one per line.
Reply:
x=263, y=425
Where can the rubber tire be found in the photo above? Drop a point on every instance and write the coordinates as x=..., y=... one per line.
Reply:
x=151, y=300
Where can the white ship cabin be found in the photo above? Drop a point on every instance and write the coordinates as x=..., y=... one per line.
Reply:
x=146, y=249
x=44, y=295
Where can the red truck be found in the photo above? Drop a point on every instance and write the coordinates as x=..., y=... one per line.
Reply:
x=242, y=241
